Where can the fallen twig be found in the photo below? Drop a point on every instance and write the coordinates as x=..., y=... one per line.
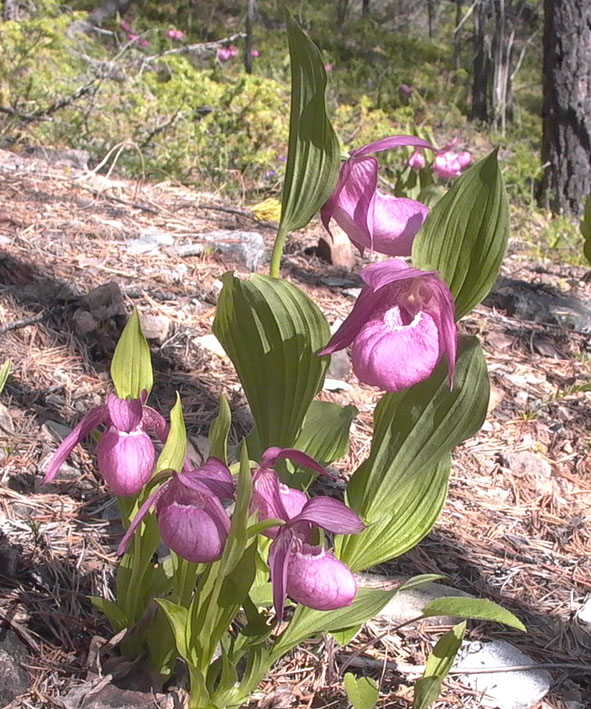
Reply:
x=17, y=324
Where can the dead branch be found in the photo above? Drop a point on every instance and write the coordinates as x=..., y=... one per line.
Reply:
x=43, y=113
x=202, y=49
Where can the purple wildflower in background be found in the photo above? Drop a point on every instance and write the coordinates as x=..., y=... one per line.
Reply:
x=405, y=91
x=417, y=160
x=125, y=451
x=224, y=54
x=372, y=219
x=191, y=518
x=401, y=325
x=449, y=163
x=255, y=53
x=176, y=35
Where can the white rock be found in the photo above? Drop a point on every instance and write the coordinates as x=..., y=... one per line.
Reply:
x=155, y=327
x=520, y=689
x=150, y=240
x=211, y=344
x=584, y=613
x=335, y=385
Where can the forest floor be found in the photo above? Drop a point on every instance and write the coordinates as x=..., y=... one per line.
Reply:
x=516, y=527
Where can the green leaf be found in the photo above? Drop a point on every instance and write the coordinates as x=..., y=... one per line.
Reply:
x=439, y=663
x=178, y=617
x=476, y=608
x=131, y=366
x=585, y=231
x=418, y=581
x=408, y=517
x=272, y=331
x=219, y=430
x=363, y=693
x=115, y=615
x=465, y=235
x=344, y=637
x=307, y=622
x=174, y=452
x=313, y=153
x=324, y=435
x=4, y=372
x=415, y=428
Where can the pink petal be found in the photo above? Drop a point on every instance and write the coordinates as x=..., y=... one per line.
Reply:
x=317, y=579
x=394, y=141
x=154, y=421
x=125, y=414
x=391, y=271
x=194, y=526
x=393, y=355
x=273, y=454
x=267, y=500
x=137, y=520
x=329, y=514
x=92, y=420
x=396, y=222
x=280, y=555
x=125, y=460
x=213, y=478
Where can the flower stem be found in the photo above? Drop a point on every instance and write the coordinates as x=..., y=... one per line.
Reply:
x=278, y=246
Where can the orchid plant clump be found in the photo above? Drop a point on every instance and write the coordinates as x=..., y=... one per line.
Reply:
x=257, y=565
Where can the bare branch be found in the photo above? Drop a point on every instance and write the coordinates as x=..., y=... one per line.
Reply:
x=198, y=49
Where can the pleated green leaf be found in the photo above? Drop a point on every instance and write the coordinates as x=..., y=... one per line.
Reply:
x=4, y=372
x=306, y=622
x=415, y=428
x=362, y=692
x=406, y=519
x=439, y=663
x=272, y=331
x=313, y=154
x=476, y=608
x=465, y=235
x=174, y=452
x=219, y=430
x=131, y=366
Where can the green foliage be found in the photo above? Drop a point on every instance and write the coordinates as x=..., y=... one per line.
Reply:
x=439, y=663
x=363, y=693
x=131, y=366
x=4, y=372
x=585, y=227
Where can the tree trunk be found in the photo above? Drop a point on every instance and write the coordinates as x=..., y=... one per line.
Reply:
x=430, y=17
x=456, y=55
x=342, y=11
x=109, y=9
x=566, y=144
x=250, y=13
x=479, y=111
x=365, y=8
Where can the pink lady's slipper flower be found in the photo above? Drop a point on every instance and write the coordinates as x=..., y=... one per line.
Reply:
x=224, y=54
x=372, y=219
x=125, y=451
x=177, y=35
x=125, y=25
x=254, y=53
x=306, y=572
x=448, y=163
x=233, y=50
x=400, y=326
x=191, y=519
x=417, y=160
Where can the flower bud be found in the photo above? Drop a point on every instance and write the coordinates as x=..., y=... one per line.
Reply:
x=125, y=460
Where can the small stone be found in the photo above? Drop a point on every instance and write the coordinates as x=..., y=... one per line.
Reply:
x=155, y=327
x=336, y=282
x=409, y=604
x=336, y=249
x=245, y=247
x=150, y=241
x=527, y=463
x=352, y=293
x=340, y=365
x=104, y=695
x=14, y=680
x=56, y=431
x=211, y=344
x=6, y=422
x=335, y=385
x=502, y=690
x=584, y=613
x=496, y=396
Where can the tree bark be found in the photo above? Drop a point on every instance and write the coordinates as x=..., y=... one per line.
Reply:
x=107, y=10
x=479, y=111
x=566, y=144
x=365, y=8
x=250, y=13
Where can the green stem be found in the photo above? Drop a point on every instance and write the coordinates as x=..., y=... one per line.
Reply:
x=278, y=246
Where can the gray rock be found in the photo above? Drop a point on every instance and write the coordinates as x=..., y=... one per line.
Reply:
x=101, y=694
x=245, y=247
x=352, y=292
x=155, y=327
x=150, y=241
x=14, y=680
x=541, y=303
x=6, y=422
x=518, y=689
x=409, y=604
x=335, y=385
x=340, y=365
x=56, y=431
x=527, y=463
